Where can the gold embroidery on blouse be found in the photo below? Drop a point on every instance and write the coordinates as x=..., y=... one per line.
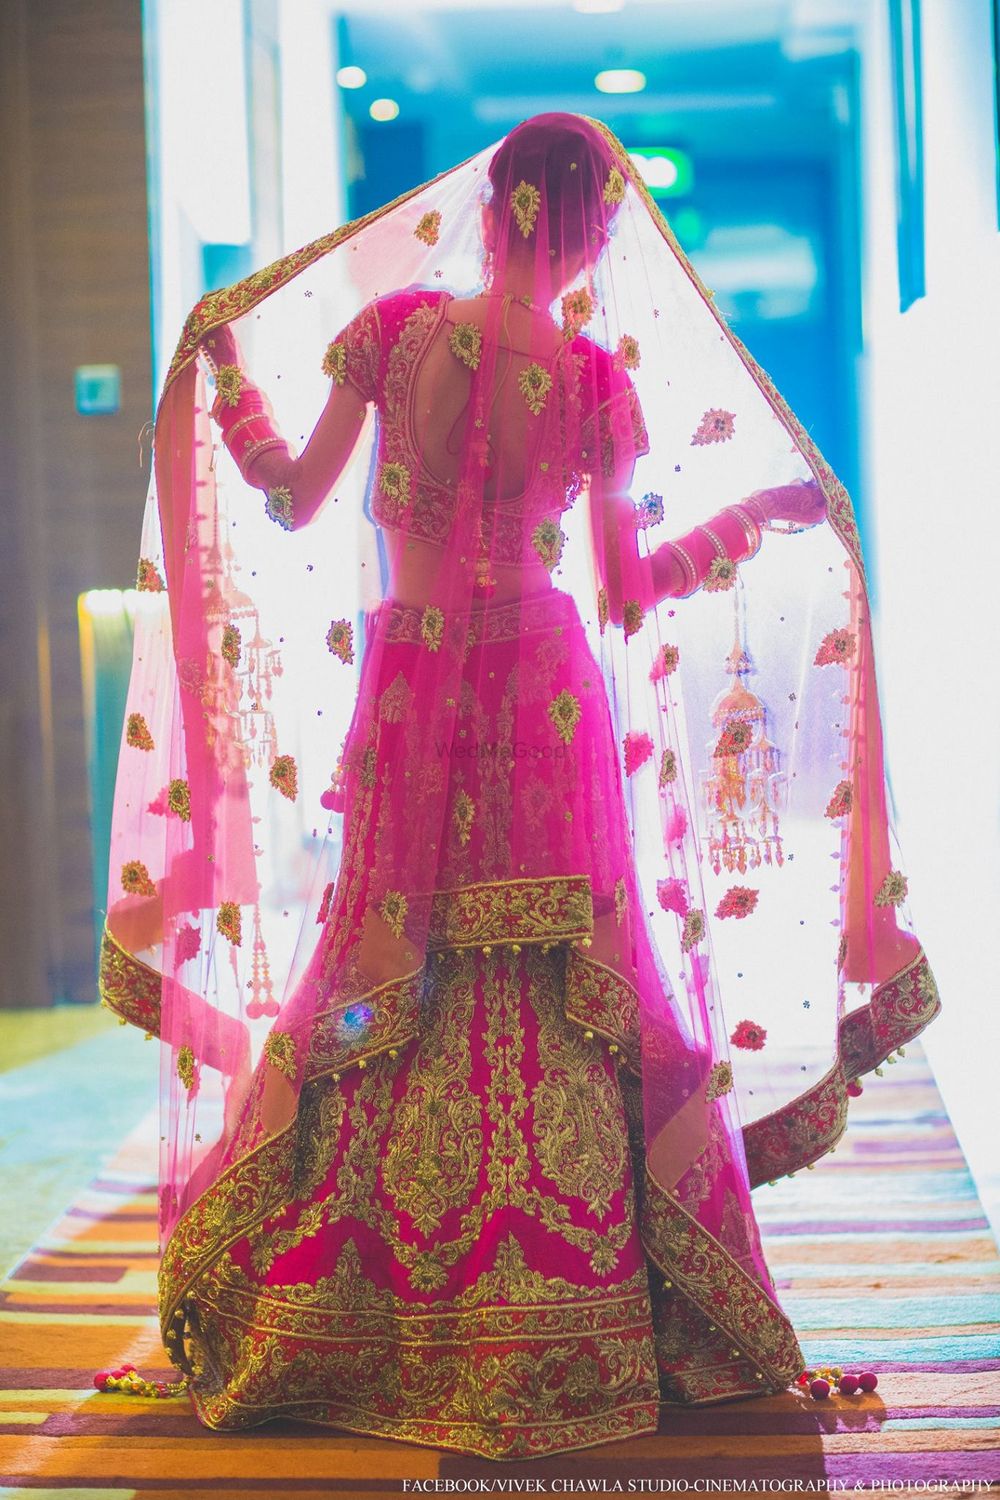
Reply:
x=335, y=362
x=394, y=482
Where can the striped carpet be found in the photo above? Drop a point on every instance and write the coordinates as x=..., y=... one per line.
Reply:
x=882, y=1255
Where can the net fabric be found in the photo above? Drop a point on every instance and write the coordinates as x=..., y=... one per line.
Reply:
x=449, y=690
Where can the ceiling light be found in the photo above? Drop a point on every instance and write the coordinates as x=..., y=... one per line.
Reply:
x=383, y=109
x=620, y=81
x=352, y=78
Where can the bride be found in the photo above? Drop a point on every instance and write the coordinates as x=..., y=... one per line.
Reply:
x=501, y=849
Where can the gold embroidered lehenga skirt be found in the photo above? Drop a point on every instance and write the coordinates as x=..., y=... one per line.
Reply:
x=471, y=1253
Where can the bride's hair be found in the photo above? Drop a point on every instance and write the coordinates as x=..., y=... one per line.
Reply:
x=568, y=162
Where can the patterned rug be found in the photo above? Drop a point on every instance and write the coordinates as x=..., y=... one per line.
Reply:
x=883, y=1260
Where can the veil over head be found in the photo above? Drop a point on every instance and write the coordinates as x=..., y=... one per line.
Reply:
x=684, y=797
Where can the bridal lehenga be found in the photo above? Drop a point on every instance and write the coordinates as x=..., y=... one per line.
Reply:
x=501, y=848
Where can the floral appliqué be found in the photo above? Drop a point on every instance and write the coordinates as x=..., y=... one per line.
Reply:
x=179, y=799
x=694, y=929
x=603, y=609
x=229, y=922
x=720, y=1081
x=232, y=643
x=229, y=384
x=627, y=354
x=721, y=575
x=428, y=228
x=394, y=482
x=565, y=713
x=335, y=363
x=393, y=911
x=279, y=1049
x=147, y=578
x=548, y=540
x=284, y=776
x=525, y=202
x=135, y=879
x=432, y=627
x=836, y=646
x=668, y=768
x=137, y=734
x=466, y=343
x=672, y=895
x=892, y=891
x=739, y=901
x=749, y=1036
x=340, y=640
x=665, y=663
x=577, y=311
x=638, y=746
x=463, y=814
x=186, y=1067
x=716, y=426
x=278, y=507
x=649, y=511
x=632, y=617
x=840, y=802
x=534, y=383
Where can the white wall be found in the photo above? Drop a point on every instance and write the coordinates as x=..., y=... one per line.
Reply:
x=931, y=402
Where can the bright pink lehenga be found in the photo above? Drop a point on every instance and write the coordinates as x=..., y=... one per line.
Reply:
x=460, y=1259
